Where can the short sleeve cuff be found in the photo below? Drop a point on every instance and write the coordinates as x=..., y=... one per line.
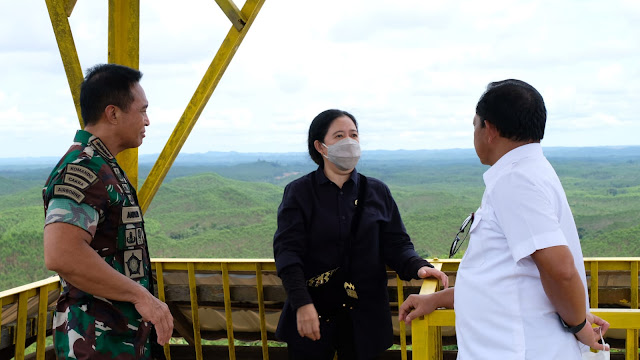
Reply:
x=68, y=211
x=538, y=242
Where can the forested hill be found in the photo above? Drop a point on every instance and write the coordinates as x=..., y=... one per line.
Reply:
x=228, y=209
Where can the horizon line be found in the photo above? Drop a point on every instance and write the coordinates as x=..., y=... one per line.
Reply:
x=305, y=152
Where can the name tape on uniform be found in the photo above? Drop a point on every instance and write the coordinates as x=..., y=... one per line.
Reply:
x=83, y=171
x=76, y=181
x=69, y=191
x=102, y=149
x=131, y=215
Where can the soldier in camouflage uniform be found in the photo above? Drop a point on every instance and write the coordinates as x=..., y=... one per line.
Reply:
x=94, y=233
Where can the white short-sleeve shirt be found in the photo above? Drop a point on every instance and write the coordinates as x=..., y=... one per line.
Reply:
x=502, y=311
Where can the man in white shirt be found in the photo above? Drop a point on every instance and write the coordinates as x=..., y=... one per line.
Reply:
x=520, y=291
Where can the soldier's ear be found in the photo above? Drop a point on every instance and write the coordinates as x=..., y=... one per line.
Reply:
x=111, y=113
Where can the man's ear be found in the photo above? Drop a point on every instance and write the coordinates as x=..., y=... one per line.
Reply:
x=491, y=131
x=110, y=113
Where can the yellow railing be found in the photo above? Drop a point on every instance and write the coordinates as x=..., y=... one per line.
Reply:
x=28, y=309
x=426, y=331
x=28, y=298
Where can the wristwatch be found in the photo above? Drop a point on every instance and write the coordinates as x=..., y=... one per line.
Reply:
x=572, y=329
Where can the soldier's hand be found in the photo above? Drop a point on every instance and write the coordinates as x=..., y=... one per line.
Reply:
x=157, y=312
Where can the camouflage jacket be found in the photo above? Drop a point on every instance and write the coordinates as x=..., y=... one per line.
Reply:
x=87, y=188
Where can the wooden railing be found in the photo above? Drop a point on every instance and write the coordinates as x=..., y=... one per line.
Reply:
x=193, y=287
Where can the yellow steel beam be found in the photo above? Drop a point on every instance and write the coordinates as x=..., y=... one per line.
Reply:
x=226, y=289
x=21, y=329
x=631, y=346
x=124, y=49
x=58, y=10
x=195, y=315
x=43, y=302
x=161, y=296
x=233, y=13
x=68, y=7
x=594, y=285
x=263, y=325
x=1, y=306
x=196, y=105
x=403, y=330
x=634, y=284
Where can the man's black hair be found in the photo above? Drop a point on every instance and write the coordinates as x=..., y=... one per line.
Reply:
x=515, y=108
x=104, y=85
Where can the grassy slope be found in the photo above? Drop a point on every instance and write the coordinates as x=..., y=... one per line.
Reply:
x=207, y=215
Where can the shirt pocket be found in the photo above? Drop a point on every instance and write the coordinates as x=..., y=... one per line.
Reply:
x=474, y=256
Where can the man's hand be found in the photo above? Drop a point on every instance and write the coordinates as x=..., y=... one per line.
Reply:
x=426, y=271
x=420, y=305
x=157, y=312
x=67, y=252
x=590, y=335
x=308, y=323
x=602, y=324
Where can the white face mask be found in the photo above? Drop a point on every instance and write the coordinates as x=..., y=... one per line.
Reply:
x=344, y=154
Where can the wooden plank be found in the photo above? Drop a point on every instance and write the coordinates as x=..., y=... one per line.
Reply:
x=181, y=324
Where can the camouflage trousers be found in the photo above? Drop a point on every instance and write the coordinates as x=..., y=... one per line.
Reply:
x=99, y=332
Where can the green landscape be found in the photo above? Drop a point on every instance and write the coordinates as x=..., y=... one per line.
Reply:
x=223, y=205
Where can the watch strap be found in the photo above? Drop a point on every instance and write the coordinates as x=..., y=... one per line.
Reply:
x=573, y=329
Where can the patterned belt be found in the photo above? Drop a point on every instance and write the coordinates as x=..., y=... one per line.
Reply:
x=321, y=279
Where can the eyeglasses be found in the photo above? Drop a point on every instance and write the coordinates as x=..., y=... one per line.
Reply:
x=457, y=242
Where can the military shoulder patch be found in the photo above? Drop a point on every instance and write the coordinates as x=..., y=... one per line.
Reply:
x=76, y=181
x=69, y=191
x=80, y=170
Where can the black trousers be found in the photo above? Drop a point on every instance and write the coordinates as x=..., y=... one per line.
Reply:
x=336, y=336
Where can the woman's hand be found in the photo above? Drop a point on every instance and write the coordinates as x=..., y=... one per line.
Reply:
x=308, y=323
x=426, y=271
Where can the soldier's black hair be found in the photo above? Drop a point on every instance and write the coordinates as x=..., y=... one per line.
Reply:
x=515, y=108
x=104, y=85
x=319, y=128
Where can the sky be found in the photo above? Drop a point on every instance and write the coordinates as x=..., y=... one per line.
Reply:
x=411, y=72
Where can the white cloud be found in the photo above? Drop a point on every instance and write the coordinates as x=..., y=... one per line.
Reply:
x=411, y=72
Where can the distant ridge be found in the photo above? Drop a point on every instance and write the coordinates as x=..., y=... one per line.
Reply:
x=233, y=157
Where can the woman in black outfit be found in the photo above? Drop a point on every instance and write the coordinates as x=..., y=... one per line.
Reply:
x=338, y=229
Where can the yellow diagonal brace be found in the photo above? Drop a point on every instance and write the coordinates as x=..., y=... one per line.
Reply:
x=68, y=7
x=231, y=10
x=124, y=49
x=64, y=38
x=196, y=105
